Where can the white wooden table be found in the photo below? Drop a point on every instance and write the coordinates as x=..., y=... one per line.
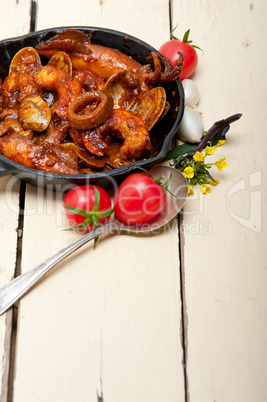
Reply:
x=181, y=316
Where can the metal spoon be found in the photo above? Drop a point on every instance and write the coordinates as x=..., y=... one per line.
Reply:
x=15, y=289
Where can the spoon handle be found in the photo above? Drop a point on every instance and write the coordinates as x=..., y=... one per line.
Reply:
x=16, y=288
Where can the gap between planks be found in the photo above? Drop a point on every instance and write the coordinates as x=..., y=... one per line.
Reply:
x=12, y=359
x=11, y=375
x=184, y=318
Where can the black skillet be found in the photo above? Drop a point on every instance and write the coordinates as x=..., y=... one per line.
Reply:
x=161, y=135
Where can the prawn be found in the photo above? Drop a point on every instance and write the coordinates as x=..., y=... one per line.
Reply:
x=22, y=150
x=67, y=88
x=16, y=87
x=10, y=124
x=125, y=126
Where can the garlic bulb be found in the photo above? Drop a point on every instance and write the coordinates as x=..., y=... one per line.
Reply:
x=191, y=127
x=191, y=93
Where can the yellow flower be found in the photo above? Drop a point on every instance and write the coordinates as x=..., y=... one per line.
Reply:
x=220, y=143
x=210, y=150
x=214, y=182
x=189, y=172
x=198, y=157
x=221, y=164
x=205, y=188
x=190, y=190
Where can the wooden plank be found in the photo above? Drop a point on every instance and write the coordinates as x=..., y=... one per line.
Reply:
x=150, y=22
x=225, y=231
x=14, y=20
x=104, y=325
x=117, y=321
x=9, y=199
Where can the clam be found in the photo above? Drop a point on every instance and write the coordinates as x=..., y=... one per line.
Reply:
x=150, y=106
x=122, y=87
x=91, y=161
x=34, y=113
x=26, y=60
x=61, y=61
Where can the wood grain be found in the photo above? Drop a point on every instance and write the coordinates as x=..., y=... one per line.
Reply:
x=9, y=210
x=225, y=231
x=14, y=20
x=105, y=324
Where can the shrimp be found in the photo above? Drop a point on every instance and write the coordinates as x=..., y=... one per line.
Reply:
x=16, y=87
x=125, y=126
x=22, y=150
x=54, y=135
x=10, y=124
x=67, y=88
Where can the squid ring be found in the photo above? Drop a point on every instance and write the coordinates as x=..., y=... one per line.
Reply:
x=89, y=110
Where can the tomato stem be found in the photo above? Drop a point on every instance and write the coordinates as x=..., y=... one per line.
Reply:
x=91, y=217
x=89, y=214
x=157, y=180
x=95, y=222
x=185, y=38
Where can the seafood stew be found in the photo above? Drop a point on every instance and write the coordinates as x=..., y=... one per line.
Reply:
x=85, y=101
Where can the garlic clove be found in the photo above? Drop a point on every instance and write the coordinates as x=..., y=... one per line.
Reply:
x=191, y=93
x=191, y=127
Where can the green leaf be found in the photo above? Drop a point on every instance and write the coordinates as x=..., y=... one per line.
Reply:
x=78, y=211
x=220, y=136
x=186, y=35
x=97, y=201
x=95, y=222
x=209, y=175
x=103, y=214
x=166, y=184
x=158, y=180
x=82, y=225
x=171, y=35
x=92, y=217
x=197, y=47
x=185, y=38
x=179, y=151
x=89, y=214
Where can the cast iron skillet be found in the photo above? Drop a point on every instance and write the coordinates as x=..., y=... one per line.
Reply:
x=161, y=134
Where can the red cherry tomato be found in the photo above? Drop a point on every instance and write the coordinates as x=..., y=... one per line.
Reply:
x=173, y=46
x=138, y=199
x=84, y=198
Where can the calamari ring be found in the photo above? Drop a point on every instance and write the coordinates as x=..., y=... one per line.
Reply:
x=100, y=107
